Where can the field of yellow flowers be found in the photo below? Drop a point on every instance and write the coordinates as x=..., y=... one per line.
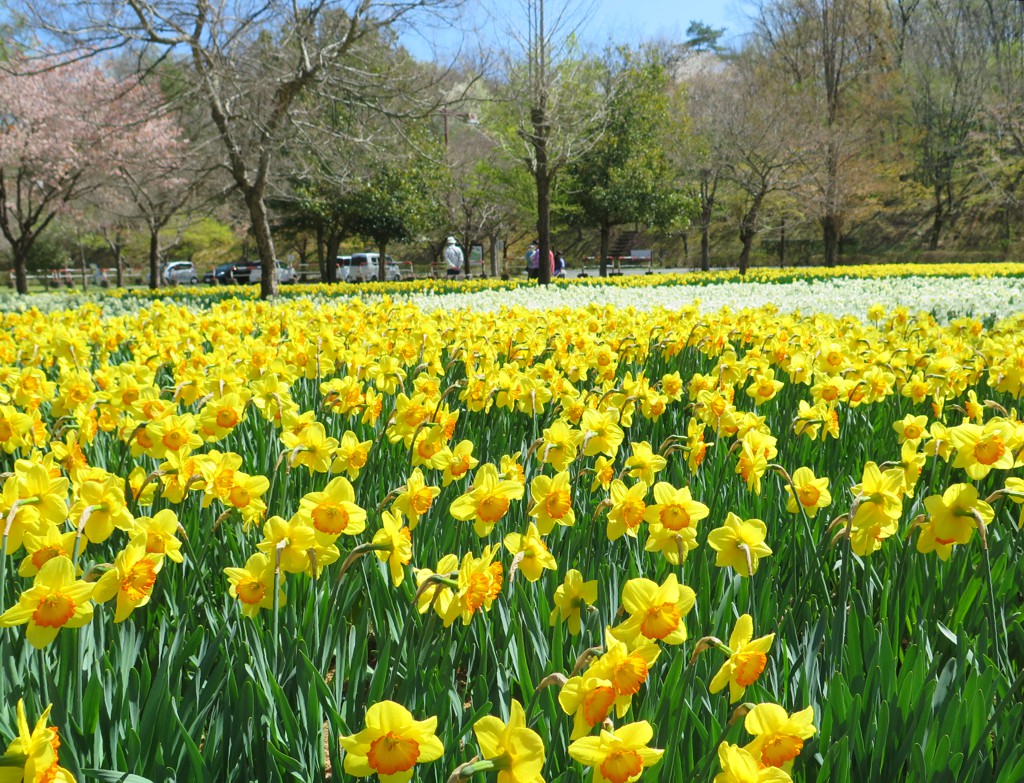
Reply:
x=332, y=539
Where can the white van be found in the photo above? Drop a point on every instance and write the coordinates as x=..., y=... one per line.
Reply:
x=362, y=268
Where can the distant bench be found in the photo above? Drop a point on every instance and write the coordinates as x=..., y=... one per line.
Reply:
x=636, y=259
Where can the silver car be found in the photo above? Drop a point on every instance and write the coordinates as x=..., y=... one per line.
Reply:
x=180, y=273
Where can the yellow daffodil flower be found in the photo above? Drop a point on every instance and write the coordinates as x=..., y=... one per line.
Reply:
x=778, y=736
x=392, y=743
x=161, y=532
x=415, y=498
x=531, y=553
x=747, y=659
x=32, y=755
x=627, y=510
x=552, y=501
x=350, y=455
x=739, y=544
x=479, y=583
x=56, y=600
x=811, y=493
x=951, y=519
x=739, y=766
x=570, y=596
x=457, y=462
x=131, y=579
x=398, y=540
x=487, y=501
x=253, y=585
x=618, y=756
x=644, y=464
x=655, y=611
x=514, y=750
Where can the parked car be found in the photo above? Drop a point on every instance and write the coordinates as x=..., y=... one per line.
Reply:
x=285, y=273
x=222, y=274
x=180, y=272
x=362, y=268
x=245, y=272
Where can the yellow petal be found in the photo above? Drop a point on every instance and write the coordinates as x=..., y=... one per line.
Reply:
x=743, y=632
x=765, y=719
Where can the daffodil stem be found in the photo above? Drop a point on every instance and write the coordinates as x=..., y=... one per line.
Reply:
x=844, y=592
x=277, y=600
x=712, y=757
x=1001, y=656
x=198, y=565
x=3, y=569
x=807, y=526
x=413, y=614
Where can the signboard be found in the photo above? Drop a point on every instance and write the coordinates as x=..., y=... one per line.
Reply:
x=641, y=255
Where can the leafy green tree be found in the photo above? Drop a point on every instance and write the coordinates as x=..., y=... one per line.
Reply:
x=626, y=176
x=701, y=37
x=207, y=241
x=320, y=207
x=396, y=204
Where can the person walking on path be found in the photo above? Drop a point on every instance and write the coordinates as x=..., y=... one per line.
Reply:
x=453, y=258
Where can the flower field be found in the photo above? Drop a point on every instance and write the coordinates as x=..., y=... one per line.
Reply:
x=422, y=537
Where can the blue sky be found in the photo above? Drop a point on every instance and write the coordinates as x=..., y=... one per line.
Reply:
x=618, y=21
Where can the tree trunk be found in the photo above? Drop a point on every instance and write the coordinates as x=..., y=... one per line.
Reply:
x=154, y=256
x=321, y=253
x=830, y=225
x=382, y=261
x=543, y=180
x=20, y=247
x=1007, y=226
x=782, y=243
x=329, y=268
x=951, y=215
x=606, y=232
x=708, y=185
x=832, y=220
x=748, y=229
x=119, y=265
x=705, y=246
x=747, y=238
x=492, y=252
x=260, y=220
x=20, y=276
x=938, y=220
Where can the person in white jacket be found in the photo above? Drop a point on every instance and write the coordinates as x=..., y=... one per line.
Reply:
x=453, y=257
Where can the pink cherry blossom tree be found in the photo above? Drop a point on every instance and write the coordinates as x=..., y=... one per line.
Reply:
x=154, y=175
x=62, y=130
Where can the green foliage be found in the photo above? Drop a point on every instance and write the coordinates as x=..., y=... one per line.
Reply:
x=395, y=205
x=702, y=37
x=208, y=242
x=627, y=177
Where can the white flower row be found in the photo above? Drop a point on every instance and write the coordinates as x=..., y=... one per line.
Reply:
x=945, y=298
